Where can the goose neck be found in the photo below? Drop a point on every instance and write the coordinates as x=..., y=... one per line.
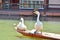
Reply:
x=38, y=15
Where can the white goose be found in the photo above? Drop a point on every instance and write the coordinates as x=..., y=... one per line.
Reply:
x=38, y=25
x=21, y=25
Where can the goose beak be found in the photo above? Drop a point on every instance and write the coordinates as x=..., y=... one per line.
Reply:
x=34, y=12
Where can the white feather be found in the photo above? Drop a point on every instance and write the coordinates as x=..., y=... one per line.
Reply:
x=38, y=25
x=21, y=25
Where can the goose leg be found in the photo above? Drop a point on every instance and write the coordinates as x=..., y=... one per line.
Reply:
x=41, y=32
x=35, y=32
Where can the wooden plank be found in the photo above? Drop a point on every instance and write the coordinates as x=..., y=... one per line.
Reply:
x=51, y=35
x=44, y=34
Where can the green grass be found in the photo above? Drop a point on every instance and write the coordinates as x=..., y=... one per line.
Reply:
x=7, y=31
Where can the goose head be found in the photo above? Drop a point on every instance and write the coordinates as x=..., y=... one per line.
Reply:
x=36, y=12
x=22, y=20
x=38, y=15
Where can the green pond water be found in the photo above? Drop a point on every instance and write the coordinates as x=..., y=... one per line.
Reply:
x=7, y=31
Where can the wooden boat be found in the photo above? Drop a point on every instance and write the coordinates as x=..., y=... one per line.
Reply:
x=44, y=35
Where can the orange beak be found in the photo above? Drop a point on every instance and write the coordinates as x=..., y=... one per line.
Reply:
x=34, y=12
